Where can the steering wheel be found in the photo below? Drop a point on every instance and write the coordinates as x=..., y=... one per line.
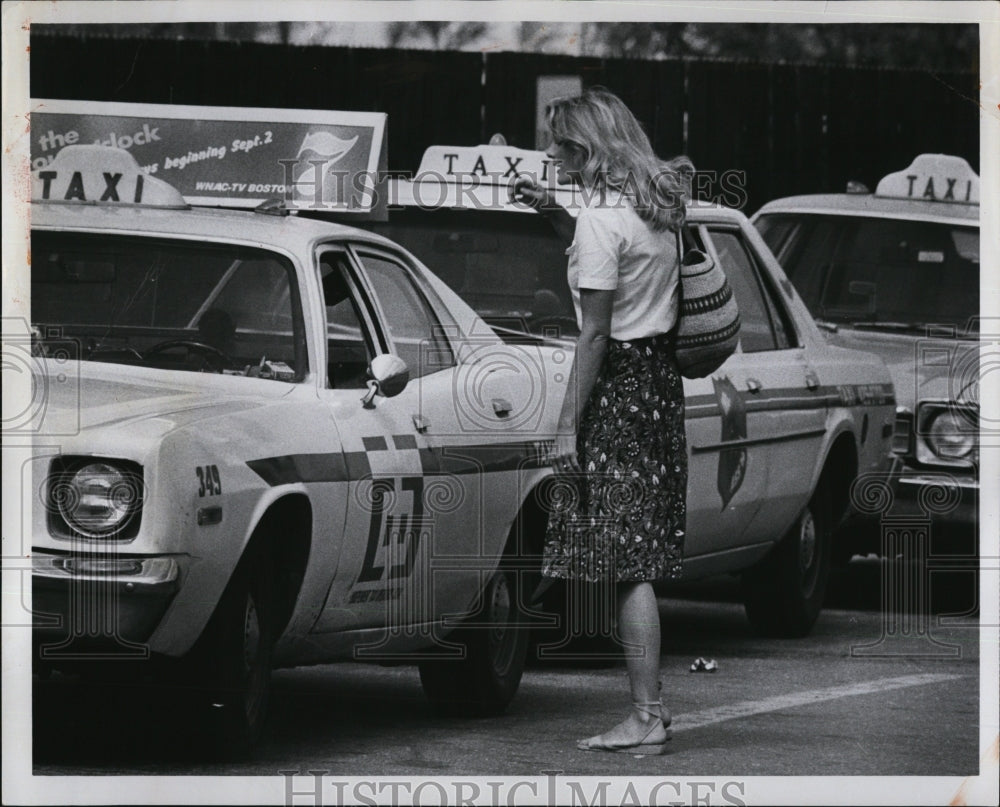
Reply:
x=221, y=358
x=563, y=323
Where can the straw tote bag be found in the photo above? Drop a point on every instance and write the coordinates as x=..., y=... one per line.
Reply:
x=708, y=326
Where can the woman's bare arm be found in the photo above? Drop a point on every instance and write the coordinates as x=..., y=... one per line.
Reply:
x=527, y=191
x=596, y=306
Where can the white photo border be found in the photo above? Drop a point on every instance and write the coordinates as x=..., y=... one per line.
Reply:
x=21, y=787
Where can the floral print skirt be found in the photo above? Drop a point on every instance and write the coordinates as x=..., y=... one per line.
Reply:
x=623, y=518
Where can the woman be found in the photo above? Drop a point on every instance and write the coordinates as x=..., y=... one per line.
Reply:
x=620, y=439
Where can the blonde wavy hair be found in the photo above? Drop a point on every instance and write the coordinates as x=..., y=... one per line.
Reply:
x=619, y=157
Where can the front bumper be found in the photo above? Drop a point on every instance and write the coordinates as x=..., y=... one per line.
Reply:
x=99, y=604
x=939, y=495
x=943, y=505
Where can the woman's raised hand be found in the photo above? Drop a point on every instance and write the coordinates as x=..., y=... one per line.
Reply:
x=528, y=191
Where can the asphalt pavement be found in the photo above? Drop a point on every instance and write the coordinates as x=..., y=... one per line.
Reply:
x=856, y=697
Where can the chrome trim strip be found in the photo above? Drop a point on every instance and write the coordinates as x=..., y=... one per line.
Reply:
x=752, y=441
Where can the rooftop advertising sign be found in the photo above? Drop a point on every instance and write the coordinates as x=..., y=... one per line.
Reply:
x=231, y=156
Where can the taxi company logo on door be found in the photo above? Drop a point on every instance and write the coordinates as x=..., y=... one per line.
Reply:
x=732, y=461
x=395, y=532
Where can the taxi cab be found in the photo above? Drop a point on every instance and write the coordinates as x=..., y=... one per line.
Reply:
x=288, y=441
x=896, y=272
x=776, y=437
x=285, y=442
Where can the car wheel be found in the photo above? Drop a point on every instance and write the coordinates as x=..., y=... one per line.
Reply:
x=783, y=595
x=234, y=660
x=494, y=642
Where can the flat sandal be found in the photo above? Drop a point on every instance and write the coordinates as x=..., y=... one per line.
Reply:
x=641, y=747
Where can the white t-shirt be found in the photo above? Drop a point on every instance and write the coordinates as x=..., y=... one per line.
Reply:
x=613, y=249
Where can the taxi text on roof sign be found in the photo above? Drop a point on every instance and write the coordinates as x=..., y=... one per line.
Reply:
x=500, y=164
x=230, y=156
x=475, y=177
x=935, y=178
x=102, y=175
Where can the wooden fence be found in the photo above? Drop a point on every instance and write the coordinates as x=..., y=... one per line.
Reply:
x=788, y=128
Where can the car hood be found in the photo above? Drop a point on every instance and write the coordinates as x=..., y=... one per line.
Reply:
x=108, y=396
x=921, y=366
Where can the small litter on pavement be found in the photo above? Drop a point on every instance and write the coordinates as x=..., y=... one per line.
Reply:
x=701, y=665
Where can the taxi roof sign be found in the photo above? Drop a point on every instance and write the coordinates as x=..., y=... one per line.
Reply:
x=104, y=175
x=500, y=164
x=934, y=178
x=476, y=177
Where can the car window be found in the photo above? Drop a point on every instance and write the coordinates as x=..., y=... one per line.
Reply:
x=181, y=305
x=416, y=333
x=762, y=327
x=349, y=351
x=509, y=267
x=881, y=270
x=803, y=245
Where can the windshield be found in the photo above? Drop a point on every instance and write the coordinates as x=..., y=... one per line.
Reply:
x=179, y=305
x=891, y=274
x=509, y=267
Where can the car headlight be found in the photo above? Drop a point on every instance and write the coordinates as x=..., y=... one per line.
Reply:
x=946, y=437
x=947, y=434
x=97, y=499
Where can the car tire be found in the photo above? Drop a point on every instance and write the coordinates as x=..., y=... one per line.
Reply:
x=783, y=594
x=233, y=657
x=494, y=642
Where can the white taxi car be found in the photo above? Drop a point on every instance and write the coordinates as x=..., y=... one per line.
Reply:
x=289, y=442
x=776, y=437
x=896, y=272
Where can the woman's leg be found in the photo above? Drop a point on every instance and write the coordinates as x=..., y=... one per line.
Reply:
x=639, y=628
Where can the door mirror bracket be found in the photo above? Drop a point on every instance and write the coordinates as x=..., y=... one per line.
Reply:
x=388, y=376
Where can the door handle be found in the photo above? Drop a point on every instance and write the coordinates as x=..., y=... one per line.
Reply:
x=812, y=381
x=501, y=407
x=753, y=385
x=420, y=423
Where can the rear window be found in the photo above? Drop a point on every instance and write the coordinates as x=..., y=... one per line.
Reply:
x=900, y=273
x=509, y=267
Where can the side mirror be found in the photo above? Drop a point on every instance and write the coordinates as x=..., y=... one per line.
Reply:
x=389, y=376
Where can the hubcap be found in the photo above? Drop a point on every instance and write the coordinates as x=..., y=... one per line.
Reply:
x=807, y=549
x=251, y=658
x=501, y=637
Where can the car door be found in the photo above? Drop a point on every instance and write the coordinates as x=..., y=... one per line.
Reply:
x=726, y=476
x=779, y=394
x=480, y=404
x=384, y=453
x=421, y=505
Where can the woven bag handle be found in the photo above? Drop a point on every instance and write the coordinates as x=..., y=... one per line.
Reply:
x=680, y=281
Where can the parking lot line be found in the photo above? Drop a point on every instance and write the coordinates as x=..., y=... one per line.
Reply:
x=733, y=711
